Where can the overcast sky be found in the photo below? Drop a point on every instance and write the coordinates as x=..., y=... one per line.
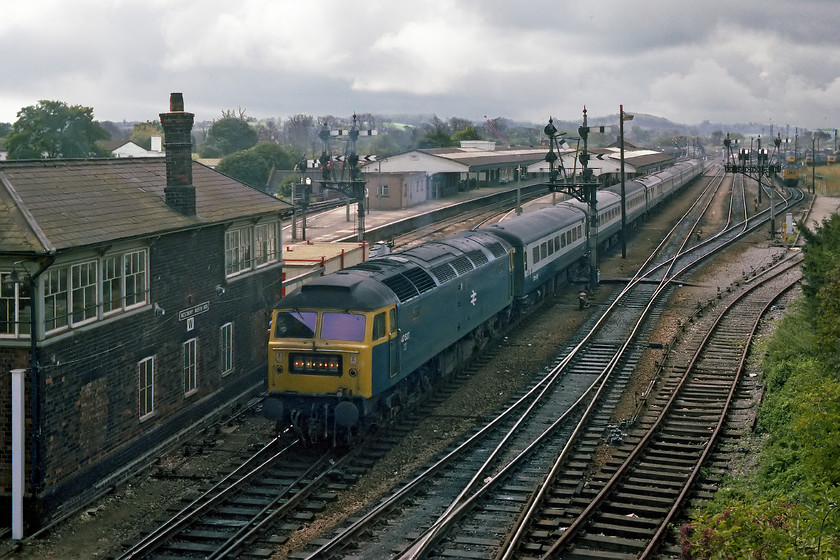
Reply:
x=772, y=62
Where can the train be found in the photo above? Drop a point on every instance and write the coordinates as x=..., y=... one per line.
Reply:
x=790, y=174
x=358, y=345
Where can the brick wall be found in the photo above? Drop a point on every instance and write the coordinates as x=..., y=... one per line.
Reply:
x=90, y=415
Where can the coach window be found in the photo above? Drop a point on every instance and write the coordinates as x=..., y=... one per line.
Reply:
x=556, y=242
x=536, y=254
x=543, y=250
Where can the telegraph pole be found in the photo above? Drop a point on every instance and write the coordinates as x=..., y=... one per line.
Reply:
x=622, y=116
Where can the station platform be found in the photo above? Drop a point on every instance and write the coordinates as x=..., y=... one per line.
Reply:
x=340, y=224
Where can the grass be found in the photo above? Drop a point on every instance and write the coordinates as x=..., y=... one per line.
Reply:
x=827, y=176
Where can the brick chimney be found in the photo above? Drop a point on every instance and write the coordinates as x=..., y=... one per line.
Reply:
x=177, y=126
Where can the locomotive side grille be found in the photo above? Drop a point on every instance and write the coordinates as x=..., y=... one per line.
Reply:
x=444, y=273
x=462, y=265
x=402, y=288
x=412, y=282
x=315, y=364
x=477, y=257
x=497, y=249
x=421, y=279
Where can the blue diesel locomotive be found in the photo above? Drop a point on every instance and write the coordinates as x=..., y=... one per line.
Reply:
x=361, y=343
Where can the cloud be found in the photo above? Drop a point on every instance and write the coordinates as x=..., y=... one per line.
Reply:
x=688, y=62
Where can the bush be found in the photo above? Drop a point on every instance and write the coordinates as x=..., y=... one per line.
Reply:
x=790, y=508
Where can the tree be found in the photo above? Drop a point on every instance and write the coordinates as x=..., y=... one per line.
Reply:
x=437, y=135
x=5, y=128
x=143, y=132
x=53, y=129
x=226, y=136
x=299, y=131
x=253, y=166
x=246, y=166
x=457, y=124
x=468, y=133
x=276, y=156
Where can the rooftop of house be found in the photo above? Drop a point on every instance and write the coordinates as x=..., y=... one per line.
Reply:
x=49, y=205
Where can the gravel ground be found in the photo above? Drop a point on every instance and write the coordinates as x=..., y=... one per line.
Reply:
x=100, y=529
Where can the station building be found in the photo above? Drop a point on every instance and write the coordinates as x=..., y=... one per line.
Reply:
x=135, y=298
x=413, y=177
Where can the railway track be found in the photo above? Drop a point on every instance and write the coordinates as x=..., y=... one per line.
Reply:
x=274, y=491
x=627, y=507
x=464, y=504
x=255, y=532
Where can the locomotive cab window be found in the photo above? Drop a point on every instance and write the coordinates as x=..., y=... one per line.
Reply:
x=392, y=319
x=343, y=326
x=378, y=326
x=295, y=324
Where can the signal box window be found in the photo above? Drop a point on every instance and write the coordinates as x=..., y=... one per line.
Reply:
x=146, y=386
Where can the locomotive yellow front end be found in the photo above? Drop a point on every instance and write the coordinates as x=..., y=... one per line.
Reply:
x=325, y=346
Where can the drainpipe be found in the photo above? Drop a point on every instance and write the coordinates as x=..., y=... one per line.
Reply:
x=35, y=377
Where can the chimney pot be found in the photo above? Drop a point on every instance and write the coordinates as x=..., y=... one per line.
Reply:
x=176, y=101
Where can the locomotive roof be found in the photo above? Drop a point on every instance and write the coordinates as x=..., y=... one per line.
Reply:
x=345, y=289
x=532, y=226
x=399, y=276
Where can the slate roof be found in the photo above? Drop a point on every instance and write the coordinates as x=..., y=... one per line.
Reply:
x=50, y=205
x=478, y=159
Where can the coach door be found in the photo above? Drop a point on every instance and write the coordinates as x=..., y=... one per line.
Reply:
x=393, y=343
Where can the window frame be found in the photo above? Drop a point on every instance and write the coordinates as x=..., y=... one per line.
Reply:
x=226, y=348
x=190, y=354
x=251, y=247
x=83, y=286
x=146, y=387
x=18, y=323
x=56, y=282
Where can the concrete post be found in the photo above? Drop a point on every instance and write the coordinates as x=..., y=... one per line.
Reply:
x=18, y=436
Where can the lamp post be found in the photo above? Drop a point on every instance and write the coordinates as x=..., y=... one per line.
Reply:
x=814, y=163
x=621, y=118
